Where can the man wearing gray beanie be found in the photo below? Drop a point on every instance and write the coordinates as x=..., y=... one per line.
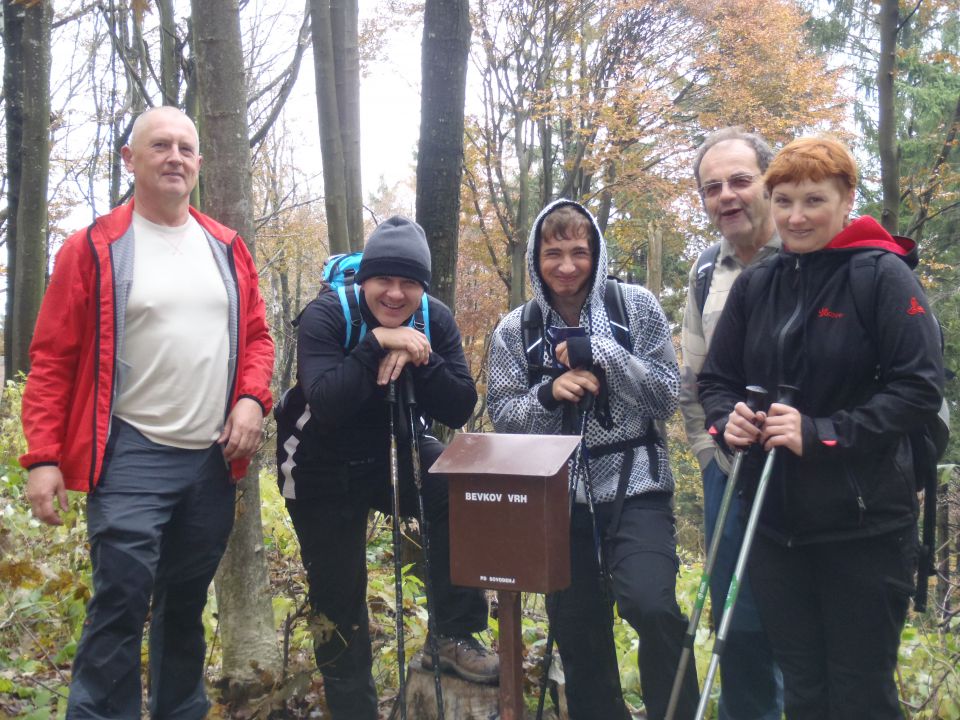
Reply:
x=333, y=439
x=397, y=247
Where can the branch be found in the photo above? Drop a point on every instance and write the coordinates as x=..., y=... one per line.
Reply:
x=291, y=77
x=66, y=19
x=264, y=220
x=126, y=63
x=910, y=14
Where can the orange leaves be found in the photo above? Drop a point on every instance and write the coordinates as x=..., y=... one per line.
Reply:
x=760, y=71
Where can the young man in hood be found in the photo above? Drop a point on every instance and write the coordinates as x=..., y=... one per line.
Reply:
x=333, y=440
x=627, y=475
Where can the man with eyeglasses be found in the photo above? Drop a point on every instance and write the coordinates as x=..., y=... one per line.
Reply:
x=729, y=169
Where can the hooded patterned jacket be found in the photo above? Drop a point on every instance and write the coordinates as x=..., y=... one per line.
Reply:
x=642, y=384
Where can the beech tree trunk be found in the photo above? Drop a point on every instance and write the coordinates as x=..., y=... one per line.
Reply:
x=444, y=52
x=887, y=119
x=247, y=631
x=344, y=21
x=13, y=109
x=655, y=262
x=31, y=244
x=169, y=56
x=331, y=140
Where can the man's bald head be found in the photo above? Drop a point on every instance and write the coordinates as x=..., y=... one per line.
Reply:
x=145, y=118
x=164, y=157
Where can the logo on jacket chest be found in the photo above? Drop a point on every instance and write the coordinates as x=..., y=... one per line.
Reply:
x=826, y=312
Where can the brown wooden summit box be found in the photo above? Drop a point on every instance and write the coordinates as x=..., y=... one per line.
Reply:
x=509, y=510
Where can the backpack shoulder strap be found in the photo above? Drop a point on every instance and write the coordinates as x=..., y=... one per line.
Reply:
x=421, y=318
x=616, y=307
x=357, y=327
x=705, y=266
x=531, y=326
x=863, y=280
x=350, y=304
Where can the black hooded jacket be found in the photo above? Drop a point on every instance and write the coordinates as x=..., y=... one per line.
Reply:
x=793, y=319
x=336, y=416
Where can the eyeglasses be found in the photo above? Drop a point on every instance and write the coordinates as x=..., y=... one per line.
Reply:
x=736, y=183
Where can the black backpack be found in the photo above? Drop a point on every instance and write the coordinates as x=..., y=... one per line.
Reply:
x=531, y=323
x=705, y=266
x=928, y=441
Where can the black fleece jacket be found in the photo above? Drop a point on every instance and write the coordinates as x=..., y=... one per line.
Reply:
x=793, y=319
x=336, y=414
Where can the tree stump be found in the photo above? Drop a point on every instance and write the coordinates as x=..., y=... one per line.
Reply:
x=462, y=700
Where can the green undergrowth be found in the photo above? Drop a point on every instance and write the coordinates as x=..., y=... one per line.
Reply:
x=45, y=584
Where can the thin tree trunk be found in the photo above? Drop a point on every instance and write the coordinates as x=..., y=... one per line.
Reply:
x=346, y=52
x=606, y=196
x=31, y=250
x=243, y=592
x=521, y=226
x=887, y=120
x=444, y=52
x=655, y=262
x=331, y=142
x=518, y=271
x=13, y=107
x=287, y=332
x=169, y=60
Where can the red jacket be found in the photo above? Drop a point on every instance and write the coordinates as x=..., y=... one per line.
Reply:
x=68, y=399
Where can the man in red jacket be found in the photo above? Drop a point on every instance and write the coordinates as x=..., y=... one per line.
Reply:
x=149, y=380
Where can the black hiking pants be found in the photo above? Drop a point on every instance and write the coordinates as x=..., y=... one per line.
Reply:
x=834, y=612
x=643, y=564
x=158, y=524
x=333, y=544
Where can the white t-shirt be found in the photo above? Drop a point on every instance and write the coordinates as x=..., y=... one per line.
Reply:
x=174, y=360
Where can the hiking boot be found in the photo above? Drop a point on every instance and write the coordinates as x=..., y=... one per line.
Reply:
x=466, y=657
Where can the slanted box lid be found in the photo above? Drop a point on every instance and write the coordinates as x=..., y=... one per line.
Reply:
x=506, y=454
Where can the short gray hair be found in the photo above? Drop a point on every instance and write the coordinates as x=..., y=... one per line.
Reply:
x=735, y=132
x=138, y=122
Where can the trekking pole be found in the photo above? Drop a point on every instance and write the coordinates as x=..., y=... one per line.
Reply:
x=756, y=396
x=585, y=405
x=397, y=571
x=787, y=393
x=425, y=535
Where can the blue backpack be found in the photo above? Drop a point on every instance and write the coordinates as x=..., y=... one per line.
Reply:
x=338, y=276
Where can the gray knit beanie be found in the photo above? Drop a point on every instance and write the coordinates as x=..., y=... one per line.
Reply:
x=397, y=247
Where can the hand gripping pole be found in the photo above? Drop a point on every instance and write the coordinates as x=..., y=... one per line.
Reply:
x=756, y=399
x=787, y=394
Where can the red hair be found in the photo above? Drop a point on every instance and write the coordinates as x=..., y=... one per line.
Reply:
x=815, y=159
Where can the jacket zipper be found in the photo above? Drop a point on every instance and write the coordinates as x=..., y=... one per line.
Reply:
x=781, y=343
x=858, y=493
x=96, y=363
x=236, y=285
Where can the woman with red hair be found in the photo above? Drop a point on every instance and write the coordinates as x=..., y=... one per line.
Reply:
x=838, y=314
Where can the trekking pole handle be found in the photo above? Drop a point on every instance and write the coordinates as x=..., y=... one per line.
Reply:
x=585, y=404
x=409, y=391
x=756, y=397
x=787, y=394
x=392, y=392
